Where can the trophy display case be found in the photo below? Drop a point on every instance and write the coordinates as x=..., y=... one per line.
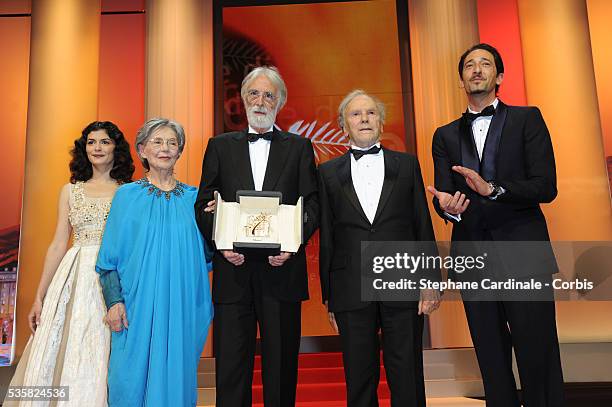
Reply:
x=258, y=224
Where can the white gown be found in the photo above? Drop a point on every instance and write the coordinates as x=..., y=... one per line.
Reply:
x=72, y=344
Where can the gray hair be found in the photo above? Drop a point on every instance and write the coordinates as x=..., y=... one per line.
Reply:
x=270, y=72
x=150, y=127
x=380, y=106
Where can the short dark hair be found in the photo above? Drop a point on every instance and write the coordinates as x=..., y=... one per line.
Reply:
x=123, y=165
x=499, y=63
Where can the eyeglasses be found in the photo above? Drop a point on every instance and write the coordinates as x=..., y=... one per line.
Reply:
x=157, y=143
x=253, y=95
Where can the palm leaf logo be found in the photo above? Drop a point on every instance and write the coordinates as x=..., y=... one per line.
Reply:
x=328, y=142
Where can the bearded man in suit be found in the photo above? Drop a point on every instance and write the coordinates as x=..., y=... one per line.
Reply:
x=264, y=291
x=372, y=194
x=494, y=166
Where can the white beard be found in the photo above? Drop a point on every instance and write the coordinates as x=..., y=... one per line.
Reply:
x=258, y=121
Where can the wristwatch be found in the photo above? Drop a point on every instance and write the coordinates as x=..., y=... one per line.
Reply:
x=496, y=190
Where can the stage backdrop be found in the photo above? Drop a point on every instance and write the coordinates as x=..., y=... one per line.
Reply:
x=599, y=14
x=323, y=52
x=322, y=55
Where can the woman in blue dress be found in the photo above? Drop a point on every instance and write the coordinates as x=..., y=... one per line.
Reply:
x=153, y=271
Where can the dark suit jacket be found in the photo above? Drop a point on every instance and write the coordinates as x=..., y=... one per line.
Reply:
x=290, y=170
x=402, y=215
x=518, y=155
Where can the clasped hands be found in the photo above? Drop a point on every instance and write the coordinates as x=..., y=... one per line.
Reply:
x=116, y=317
x=237, y=259
x=457, y=204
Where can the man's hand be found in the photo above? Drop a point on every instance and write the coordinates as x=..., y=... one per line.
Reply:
x=279, y=260
x=116, y=317
x=332, y=319
x=429, y=302
x=474, y=180
x=453, y=204
x=212, y=205
x=236, y=259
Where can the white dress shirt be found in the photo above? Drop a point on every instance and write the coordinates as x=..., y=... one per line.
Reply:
x=258, y=153
x=368, y=174
x=480, y=128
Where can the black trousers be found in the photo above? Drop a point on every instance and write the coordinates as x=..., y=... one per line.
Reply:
x=235, y=333
x=529, y=327
x=402, y=342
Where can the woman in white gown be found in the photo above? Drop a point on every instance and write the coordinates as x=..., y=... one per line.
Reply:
x=70, y=343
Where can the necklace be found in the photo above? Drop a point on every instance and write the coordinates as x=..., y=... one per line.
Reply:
x=178, y=190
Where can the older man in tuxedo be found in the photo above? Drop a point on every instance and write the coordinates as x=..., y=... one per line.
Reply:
x=494, y=166
x=264, y=291
x=372, y=194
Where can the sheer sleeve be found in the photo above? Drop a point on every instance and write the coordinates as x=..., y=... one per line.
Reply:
x=108, y=256
x=111, y=287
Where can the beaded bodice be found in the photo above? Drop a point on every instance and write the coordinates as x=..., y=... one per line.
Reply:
x=87, y=216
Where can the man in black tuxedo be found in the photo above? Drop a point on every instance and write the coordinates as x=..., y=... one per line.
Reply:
x=493, y=167
x=372, y=194
x=258, y=290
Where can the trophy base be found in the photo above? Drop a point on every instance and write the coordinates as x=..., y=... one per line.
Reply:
x=257, y=250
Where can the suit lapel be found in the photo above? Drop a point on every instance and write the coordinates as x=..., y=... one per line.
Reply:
x=469, y=154
x=343, y=172
x=489, y=155
x=242, y=160
x=279, y=149
x=391, y=172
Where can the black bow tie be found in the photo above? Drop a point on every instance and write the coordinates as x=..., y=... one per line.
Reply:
x=360, y=153
x=487, y=111
x=253, y=137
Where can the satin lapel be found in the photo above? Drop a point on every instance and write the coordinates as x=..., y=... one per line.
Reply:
x=491, y=147
x=242, y=161
x=279, y=151
x=469, y=154
x=391, y=172
x=343, y=172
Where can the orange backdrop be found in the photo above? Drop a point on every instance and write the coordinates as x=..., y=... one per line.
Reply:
x=122, y=65
x=15, y=55
x=600, y=13
x=505, y=35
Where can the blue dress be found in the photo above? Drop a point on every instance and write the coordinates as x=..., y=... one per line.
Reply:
x=153, y=259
